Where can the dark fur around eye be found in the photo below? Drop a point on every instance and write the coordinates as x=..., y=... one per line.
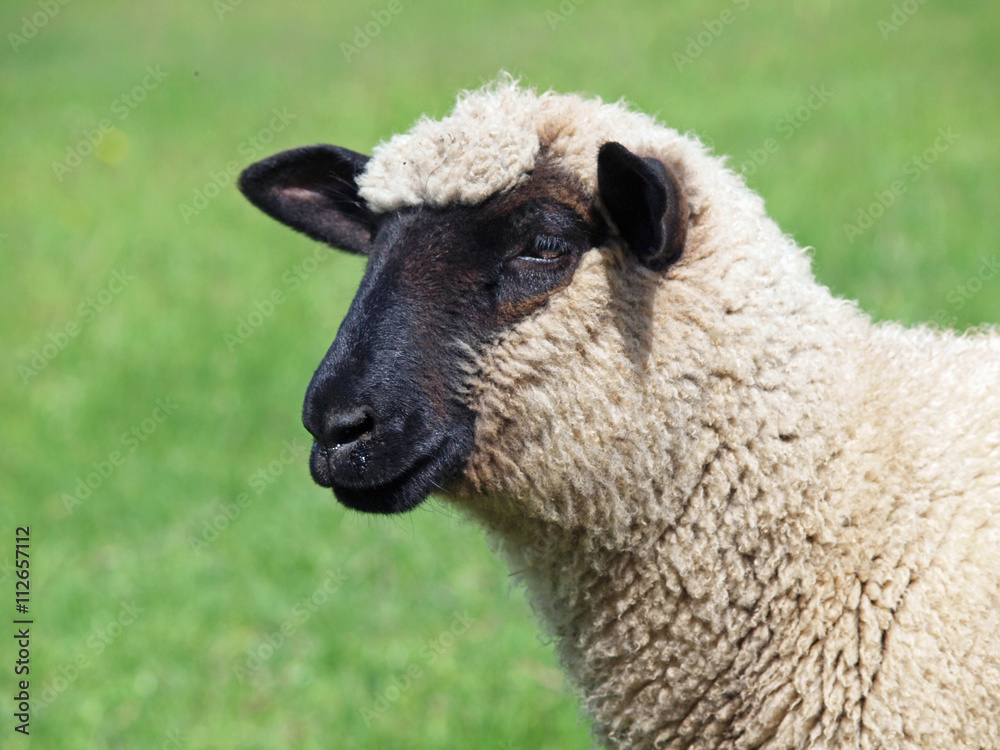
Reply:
x=547, y=247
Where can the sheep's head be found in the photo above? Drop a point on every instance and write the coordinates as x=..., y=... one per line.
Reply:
x=391, y=406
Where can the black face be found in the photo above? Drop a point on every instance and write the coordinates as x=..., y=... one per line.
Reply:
x=385, y=407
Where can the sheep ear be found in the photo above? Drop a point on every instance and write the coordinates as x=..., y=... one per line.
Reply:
x=313, y=190
x=645, y=202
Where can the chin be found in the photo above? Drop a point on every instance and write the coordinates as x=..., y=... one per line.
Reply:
x=431, y=470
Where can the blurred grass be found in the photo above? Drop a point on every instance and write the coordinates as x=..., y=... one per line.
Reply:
x=206, y=609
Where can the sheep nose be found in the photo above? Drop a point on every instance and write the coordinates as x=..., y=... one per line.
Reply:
x=346, y=427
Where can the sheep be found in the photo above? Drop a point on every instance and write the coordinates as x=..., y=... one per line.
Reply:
x=749, y=516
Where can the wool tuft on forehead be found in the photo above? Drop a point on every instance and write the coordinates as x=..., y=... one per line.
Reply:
x=491, y=140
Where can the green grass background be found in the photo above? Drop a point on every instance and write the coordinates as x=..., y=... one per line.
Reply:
x=167, y=679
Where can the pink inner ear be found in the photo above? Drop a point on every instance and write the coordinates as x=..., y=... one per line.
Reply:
x=300, y=195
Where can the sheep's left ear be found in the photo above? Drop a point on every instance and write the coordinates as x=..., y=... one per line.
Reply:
x=645, y=202
x=313, y=190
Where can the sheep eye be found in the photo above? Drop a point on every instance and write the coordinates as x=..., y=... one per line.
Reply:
x=546, y=247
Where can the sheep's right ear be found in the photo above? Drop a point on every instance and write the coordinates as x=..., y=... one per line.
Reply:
x=313, y=190
x=646, y=203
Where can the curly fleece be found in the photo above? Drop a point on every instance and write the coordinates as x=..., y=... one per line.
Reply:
x=750, y=517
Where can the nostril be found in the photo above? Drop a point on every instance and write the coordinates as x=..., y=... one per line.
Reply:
x=346, y=427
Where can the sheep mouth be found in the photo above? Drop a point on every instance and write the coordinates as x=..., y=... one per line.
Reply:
x=402, y=491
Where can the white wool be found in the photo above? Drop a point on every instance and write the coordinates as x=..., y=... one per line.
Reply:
x=490, y=141
x=750, y=517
